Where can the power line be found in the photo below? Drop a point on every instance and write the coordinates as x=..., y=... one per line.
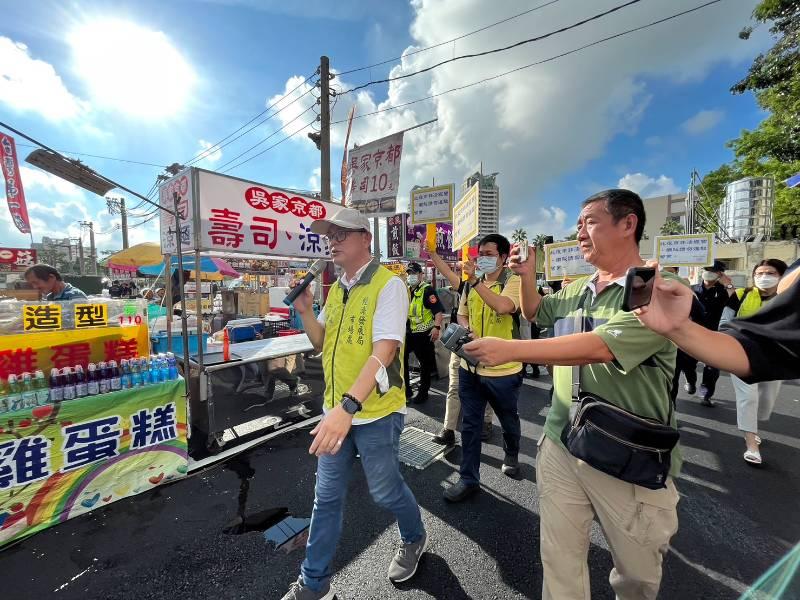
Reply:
x=125, y=160
x=266, y=138
x=270, y=148
x=211, y=149
x=533, y=64
x=497, y=50
x=455, y=39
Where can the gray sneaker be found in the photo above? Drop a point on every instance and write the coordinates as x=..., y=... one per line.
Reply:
x=405, y=562
x=298, y=591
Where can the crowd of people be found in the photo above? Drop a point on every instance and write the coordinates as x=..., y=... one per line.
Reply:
x=613, y=371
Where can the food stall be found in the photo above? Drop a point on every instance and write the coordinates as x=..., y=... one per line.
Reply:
x=251, y=387
x=87, y=415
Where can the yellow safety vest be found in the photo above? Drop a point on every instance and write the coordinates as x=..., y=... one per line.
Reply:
x=348, y=344
x=751, y=304
x=419, y=316
x=485, y=322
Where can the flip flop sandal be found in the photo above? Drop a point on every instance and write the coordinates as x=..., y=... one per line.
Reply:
x=758, y=440
x=754, y=458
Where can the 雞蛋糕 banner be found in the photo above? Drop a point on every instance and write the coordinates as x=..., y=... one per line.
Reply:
x=61, y=460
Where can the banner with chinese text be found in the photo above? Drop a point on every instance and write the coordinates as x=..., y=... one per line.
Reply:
x=16, y=260
x=181, y=184
x=693, y=250
x=565, y=259
x=465, y=218
x=373, y=176
x=243, y=216
x=416, y=246
x=26, y=352
x=59, y=461
x=432, y=204
x=15, y=196
x=396, y=235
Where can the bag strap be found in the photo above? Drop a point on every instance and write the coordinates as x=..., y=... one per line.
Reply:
x=576, y=377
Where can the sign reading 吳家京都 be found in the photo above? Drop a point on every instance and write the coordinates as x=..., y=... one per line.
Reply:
x=465, y=218
x=565, y=259
x=373, y=176
x=15, y=196
x=693, y=250
x=181, y=184
x=16, y=260
x=432, y=204
x=243, y=216
x=63, y=459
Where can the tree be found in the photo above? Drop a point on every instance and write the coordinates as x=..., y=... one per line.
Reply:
x=671, y=227
x=519, y=236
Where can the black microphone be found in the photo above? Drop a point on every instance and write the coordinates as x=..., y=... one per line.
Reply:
x=317, y=267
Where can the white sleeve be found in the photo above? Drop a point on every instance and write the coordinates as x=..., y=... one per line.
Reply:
x=321, y=317
x=391, y=312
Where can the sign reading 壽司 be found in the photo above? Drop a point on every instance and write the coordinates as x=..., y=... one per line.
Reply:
x=182, y=185
x=16, y=259
x=465, y=218
x=565, y=259
x=243, y=216
x=432, y=204
x=373, y=175
x=692, y=250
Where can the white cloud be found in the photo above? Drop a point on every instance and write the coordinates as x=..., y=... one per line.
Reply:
x=648, y=187
x=30, y=84
x=538, y=124
x=210, y=157
x=314, y=181
x=702, y=121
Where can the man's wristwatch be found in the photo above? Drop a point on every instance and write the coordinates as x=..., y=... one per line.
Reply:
x=350, y=404
x=729, y=286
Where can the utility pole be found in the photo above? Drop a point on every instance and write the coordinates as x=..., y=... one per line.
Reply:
x=81, y=265
x=92, y=255
x=118, y=205
x=325, y=126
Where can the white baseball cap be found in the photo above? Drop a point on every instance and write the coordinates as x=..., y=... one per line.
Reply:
x=346, y=218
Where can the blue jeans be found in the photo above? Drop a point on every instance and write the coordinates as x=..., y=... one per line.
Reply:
x=378, y=443
x=502, y=394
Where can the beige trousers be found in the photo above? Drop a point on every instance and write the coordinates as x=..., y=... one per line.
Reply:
x=637, y=522
x=452, y=409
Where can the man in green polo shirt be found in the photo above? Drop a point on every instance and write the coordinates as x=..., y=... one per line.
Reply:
x=624, y=363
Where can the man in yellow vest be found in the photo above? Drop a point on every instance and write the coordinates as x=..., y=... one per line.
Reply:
x=360, y=333
x=488, y=309
x=425, y=314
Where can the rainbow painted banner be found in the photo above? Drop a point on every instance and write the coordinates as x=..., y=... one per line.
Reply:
x=59, y=461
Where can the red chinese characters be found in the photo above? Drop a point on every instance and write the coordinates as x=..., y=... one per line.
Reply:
x=266, y=234
x=226, y=228
x=258, y=198
x=70, y=355
x=119, y=349
x=17, y=361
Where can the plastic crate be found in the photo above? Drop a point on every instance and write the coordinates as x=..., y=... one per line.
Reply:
x=160, y=343
x=273, y=328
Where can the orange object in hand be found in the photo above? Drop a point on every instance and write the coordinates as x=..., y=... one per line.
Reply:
x=226, y=345
x=430, y=237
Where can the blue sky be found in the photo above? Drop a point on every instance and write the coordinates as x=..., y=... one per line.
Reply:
x=642, y=110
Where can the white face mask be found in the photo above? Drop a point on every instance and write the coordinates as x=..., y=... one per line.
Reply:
x=381, y=377
x=413, y=280
x=766, y=282
x=487, y=265
x=710, y=276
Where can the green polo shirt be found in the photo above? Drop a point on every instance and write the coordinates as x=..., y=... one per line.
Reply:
x=639, y=378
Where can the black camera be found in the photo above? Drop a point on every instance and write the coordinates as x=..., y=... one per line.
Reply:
x=453, y=338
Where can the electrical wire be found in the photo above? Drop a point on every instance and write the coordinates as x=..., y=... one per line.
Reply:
x=125, y=160
x=455, y=39
x=270, y=148
x=497, y=50
x=234, y=159
x=533, y=64
x=212, y=148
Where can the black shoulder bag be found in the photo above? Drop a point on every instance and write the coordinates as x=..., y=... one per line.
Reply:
x=617, y=442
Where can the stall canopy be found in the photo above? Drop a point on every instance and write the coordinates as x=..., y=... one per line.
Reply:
x=140, y=255
x=208, y=266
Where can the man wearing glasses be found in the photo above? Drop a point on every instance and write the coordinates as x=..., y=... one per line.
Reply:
x=360, y=333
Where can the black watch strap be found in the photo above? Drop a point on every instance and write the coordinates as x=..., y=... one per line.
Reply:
x=350, y=404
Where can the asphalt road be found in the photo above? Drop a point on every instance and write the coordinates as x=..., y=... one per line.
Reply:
x=735, y=521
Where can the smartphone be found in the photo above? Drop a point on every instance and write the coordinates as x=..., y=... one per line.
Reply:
x=523, y=251
x=638, y=287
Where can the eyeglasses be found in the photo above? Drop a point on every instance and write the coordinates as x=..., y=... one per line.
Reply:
x=340, y=235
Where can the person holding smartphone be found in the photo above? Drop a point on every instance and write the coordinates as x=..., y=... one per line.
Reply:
x=631, y=368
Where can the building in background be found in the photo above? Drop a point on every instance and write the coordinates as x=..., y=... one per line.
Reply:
x=658, y=211
x=746, y=212
x=488, y=202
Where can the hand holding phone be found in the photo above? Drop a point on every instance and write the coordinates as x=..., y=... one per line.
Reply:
x=638, y=287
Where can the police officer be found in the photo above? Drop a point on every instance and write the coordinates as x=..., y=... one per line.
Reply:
x=423, y=328
x=360, y=333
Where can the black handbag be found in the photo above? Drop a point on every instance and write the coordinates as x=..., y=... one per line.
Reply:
x=620, y=443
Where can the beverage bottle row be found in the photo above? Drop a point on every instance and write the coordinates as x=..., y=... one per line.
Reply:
x=28, y=390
